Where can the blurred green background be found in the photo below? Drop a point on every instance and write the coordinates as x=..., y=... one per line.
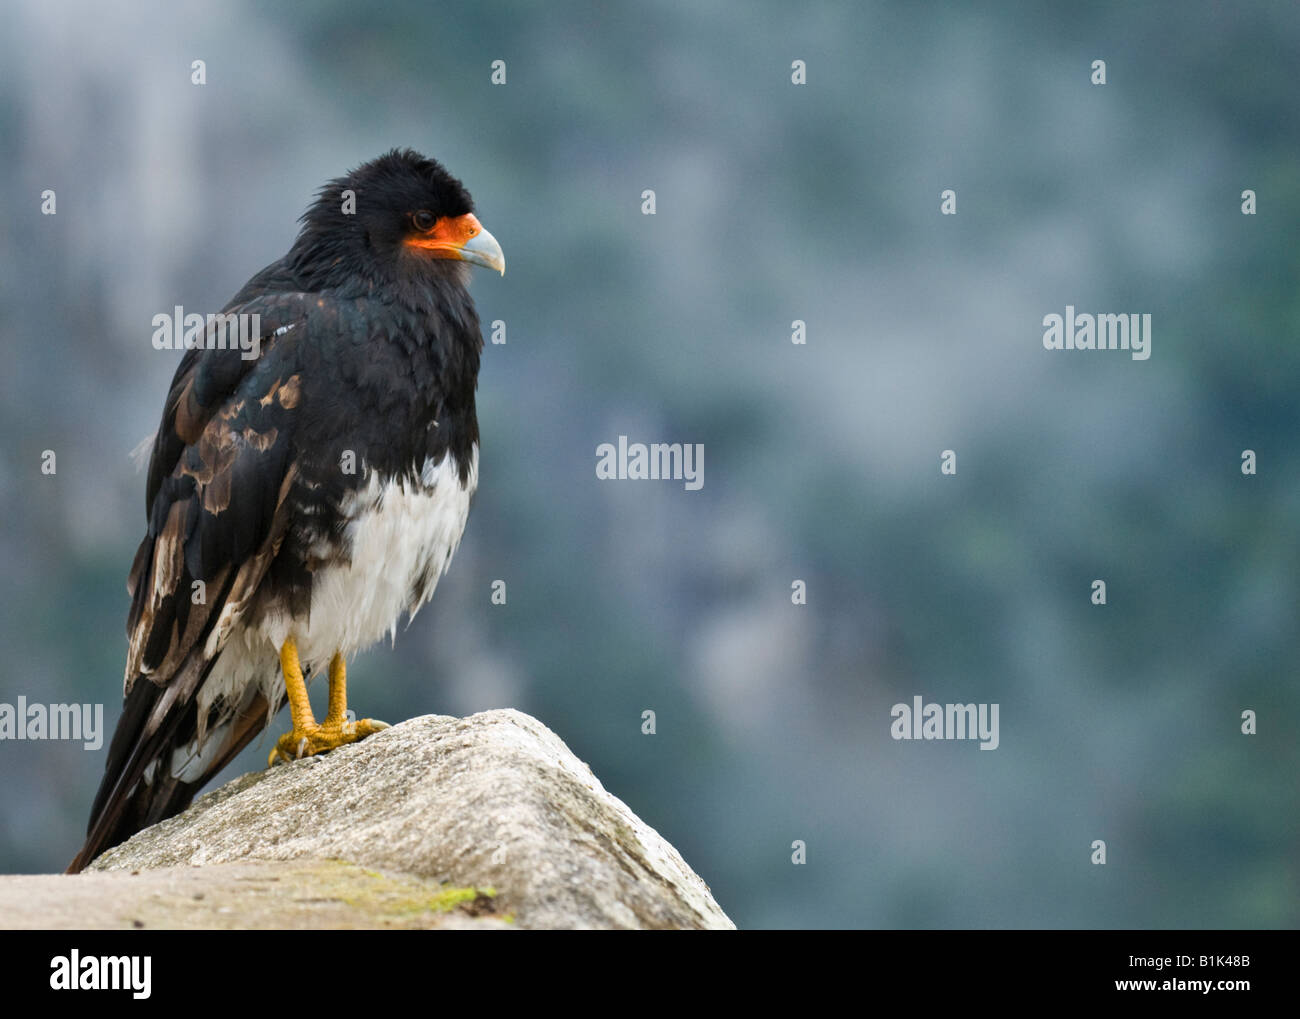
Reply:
x=775, y=202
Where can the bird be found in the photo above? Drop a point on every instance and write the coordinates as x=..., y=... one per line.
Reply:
x=299, y=501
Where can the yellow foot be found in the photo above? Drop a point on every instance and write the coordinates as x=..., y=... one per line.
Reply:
x=313, y=739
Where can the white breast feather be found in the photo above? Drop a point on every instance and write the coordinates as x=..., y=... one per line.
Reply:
x=398, y=532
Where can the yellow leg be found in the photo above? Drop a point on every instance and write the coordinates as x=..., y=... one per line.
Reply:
x=307, y=738
x=295, y=685
x=338, y=706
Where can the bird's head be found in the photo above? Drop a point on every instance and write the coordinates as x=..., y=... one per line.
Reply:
x=399, y=216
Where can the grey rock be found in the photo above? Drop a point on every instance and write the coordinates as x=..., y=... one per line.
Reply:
x=494, y=801
x=251, y=895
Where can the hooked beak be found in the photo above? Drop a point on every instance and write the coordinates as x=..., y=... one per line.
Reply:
x=464, y=239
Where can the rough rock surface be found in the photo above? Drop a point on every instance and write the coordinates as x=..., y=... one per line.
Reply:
x=253, y=895
x=494, y=801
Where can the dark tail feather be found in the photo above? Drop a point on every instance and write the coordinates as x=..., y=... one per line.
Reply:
x=126, y=803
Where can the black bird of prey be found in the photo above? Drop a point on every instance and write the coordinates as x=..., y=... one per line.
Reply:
x=317, y=490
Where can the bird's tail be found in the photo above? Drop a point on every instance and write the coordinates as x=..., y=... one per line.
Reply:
x=142, y=782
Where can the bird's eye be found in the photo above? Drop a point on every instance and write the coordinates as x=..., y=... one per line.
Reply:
x=424, y=220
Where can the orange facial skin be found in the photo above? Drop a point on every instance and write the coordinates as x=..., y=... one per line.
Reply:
x=448, y=236
x=462, y=238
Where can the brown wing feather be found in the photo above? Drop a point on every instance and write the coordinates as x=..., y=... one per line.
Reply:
x=220, y=473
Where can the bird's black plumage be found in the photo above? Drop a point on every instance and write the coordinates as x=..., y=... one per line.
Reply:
x=321, y=486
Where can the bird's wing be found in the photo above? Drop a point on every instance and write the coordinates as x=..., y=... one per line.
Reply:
x=219, y=475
